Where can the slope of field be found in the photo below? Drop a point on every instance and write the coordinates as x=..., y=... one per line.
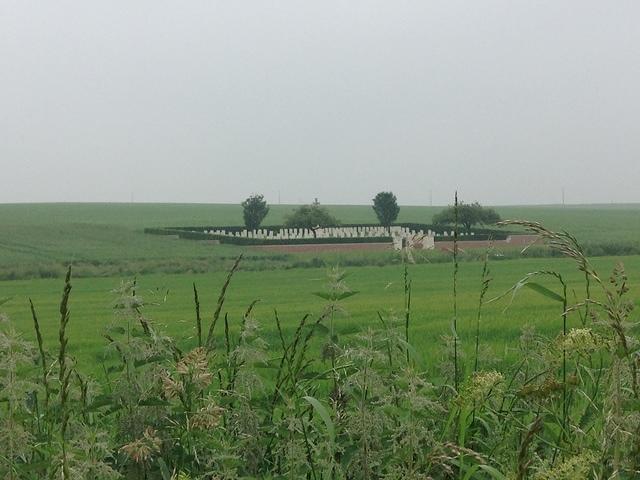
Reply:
x=38, y=240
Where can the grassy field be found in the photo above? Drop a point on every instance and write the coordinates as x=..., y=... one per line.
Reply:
x=39, y=240
x=290, y=292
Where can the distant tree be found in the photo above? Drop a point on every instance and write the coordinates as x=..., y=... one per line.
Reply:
x=254, y=209
x=469, y=214
x=386, y=207
x=311, y=217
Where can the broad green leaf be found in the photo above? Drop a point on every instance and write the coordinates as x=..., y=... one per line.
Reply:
x=100, y=401
x=319, y=327
x=347, y=455
x=471, y=472
x=164, y=470
x=544, y=291
x=113, y=409
x=153, y=402
x=493, y=472
x=324, y=414
x=323, y=295
x=344, y=295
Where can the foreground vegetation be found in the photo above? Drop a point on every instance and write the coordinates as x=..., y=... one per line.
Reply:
x=40, y=240
x=311, y=403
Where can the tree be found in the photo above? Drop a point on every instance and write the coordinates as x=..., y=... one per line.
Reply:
x=311, y=217
x=469, y=214
x=386, y=207
x=254, y=209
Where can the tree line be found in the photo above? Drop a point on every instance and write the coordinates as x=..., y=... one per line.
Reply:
x=384, y=204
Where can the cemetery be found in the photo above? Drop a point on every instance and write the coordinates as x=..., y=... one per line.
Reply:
x=398, y=236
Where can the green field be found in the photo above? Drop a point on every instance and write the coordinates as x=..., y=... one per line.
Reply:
x=290, y=292
x=39, y=240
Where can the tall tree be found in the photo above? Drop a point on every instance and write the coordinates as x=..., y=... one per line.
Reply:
x=386, y=207
x=469, y=214
x=254, y=209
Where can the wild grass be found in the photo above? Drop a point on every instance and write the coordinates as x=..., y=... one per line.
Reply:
x=316, y=404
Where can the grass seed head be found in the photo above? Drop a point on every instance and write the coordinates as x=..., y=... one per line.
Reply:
x=144, y=448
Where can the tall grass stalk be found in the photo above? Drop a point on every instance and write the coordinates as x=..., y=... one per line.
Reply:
x=64, y=372
x=43, y=358
x=221, y=299
x=455, y=294
x=196, y=301
x=484, y=287
x=407, y=306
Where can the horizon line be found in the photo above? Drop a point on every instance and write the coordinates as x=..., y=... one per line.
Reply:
x=595, y=204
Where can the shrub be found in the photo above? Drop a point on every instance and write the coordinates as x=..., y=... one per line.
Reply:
x=310, y=217
x=467, y=215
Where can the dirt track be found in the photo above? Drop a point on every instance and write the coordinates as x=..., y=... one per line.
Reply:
x=511, y=241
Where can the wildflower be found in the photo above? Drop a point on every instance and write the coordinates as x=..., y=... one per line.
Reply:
x=480, y=385
x=580, y=340
x=545, y=389
x=572, y=468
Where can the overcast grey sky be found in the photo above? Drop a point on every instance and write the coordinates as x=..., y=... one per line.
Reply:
x=209, y=101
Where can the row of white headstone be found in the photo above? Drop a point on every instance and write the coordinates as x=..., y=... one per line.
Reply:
x=400, y=235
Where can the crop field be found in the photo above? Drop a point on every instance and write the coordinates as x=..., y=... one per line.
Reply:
x=39, y=240
x=170, y=303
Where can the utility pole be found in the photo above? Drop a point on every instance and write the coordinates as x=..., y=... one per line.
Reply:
x=563, y=196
